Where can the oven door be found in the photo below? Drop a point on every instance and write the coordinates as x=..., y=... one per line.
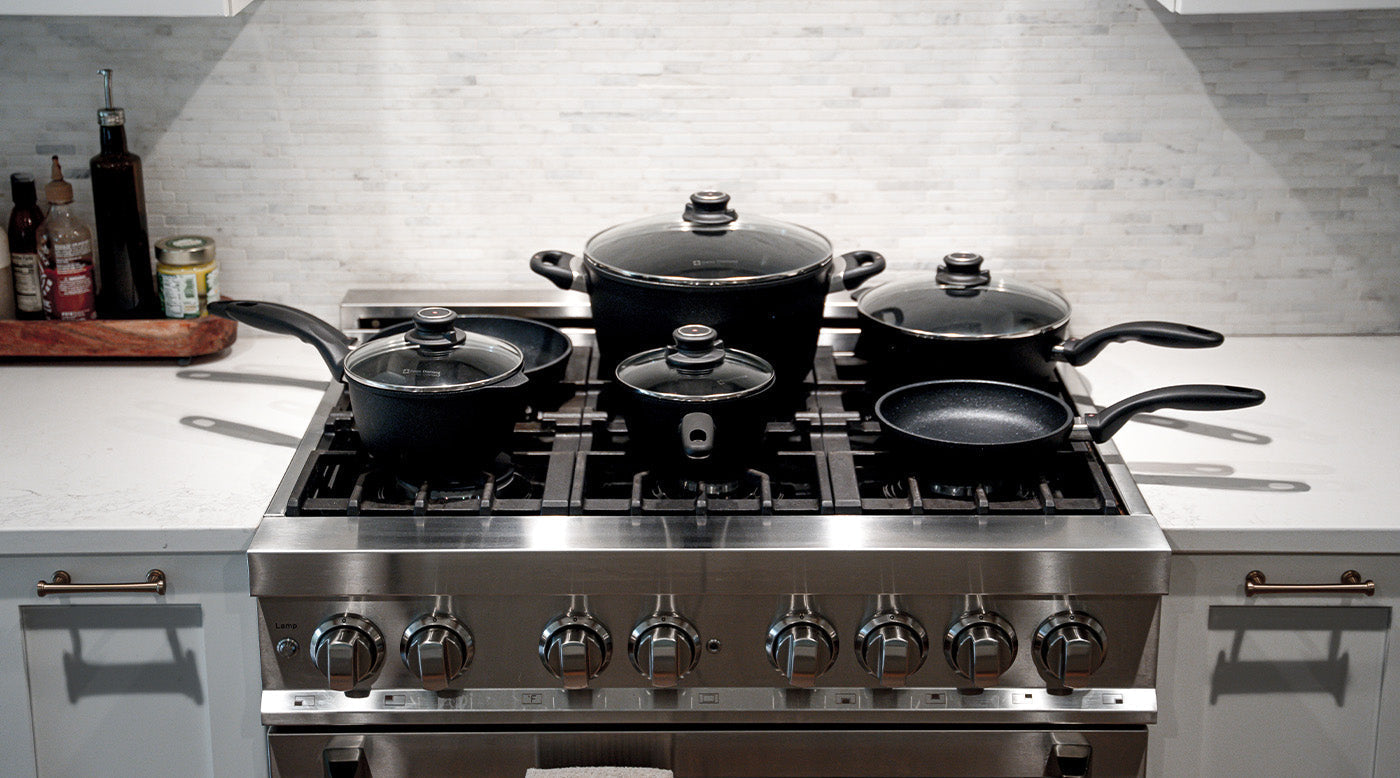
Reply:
x=776, y=753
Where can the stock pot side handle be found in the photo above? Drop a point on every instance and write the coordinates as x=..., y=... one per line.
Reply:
x=859, y=266
x=558, y=267
x=1078, y=351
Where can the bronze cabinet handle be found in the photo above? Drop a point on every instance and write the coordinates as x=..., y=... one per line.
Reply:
x=1351, y=583
x=62, y=583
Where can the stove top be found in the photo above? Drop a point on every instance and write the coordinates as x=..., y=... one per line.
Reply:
x=570, y=456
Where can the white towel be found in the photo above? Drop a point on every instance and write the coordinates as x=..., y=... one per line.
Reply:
x=598, y=772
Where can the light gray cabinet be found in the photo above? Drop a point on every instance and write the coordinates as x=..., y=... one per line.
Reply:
x=130, y=683
x=124, y=7
x=1277, y=684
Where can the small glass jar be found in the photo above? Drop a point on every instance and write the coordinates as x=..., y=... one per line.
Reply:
x=187, y=275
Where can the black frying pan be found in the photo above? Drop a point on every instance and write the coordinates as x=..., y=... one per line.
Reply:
x=980, y=426
x=546, y=348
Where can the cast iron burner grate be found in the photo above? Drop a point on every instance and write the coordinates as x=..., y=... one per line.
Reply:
x=570, y=456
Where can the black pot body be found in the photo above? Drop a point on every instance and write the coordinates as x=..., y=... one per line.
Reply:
x=898, y=357
x=777, y=320
x=437, y=436
x=656, y=430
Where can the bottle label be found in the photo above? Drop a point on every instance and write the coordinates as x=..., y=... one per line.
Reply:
x=66, y=284
x=26, y=271
x=68, y=294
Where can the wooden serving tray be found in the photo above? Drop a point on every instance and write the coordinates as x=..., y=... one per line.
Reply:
x=152, y=338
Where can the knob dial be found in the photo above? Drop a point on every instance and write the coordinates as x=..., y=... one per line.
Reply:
x=664, y=648
x=980, y=646
x=575, y=649
x=802, y=646
x=891, y=647
x=437, y=648
x=1069, y=647
x=347, y=649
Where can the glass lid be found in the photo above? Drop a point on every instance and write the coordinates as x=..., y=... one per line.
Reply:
x=709, y=245
x=965, y=303
x=435, y=356
x=696, y=368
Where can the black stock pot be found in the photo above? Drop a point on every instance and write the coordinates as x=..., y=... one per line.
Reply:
x=761, y=282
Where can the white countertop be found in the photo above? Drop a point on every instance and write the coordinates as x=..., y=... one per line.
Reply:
x=97, y=459
x=1317, y=468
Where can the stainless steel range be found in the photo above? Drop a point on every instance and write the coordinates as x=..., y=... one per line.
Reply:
x=834, y=612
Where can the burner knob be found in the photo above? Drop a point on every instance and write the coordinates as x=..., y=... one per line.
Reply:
x=1069, y=647
x=891, y=647
x=347, y=649
x=980, y=646
x=575, y=649
x=437, y=648
x=664, y=648
x=802, y=645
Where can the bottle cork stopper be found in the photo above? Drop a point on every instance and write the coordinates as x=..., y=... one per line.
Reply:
x=58, y=191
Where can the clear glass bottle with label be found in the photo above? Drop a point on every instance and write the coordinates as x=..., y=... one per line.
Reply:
x=65, y=252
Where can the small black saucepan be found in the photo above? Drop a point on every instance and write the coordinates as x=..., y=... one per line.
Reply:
x=991, y=429
x=965, y=324
x=696, y=409
x=434, y=402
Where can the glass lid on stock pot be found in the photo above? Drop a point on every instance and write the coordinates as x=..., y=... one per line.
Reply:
x=435, y=356
x=696, y=368
x=965, y=303
x=709, y=244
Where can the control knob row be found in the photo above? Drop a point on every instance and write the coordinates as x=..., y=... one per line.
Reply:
x=349, y=649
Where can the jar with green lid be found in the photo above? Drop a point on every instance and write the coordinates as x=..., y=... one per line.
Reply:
x=188, y=275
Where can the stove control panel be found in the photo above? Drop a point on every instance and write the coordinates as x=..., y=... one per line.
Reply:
x=348, y=649
x=437, y=648
x=575, y=649
x=663, y=648
x=802, y=645
x=980, y=646
x=891, y=646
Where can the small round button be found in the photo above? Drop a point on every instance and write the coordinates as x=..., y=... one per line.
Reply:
x=288, y=648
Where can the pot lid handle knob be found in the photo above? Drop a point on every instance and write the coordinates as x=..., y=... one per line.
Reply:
x=697, y=347
x=709, y=207
x=963, y=269
x=435, y=328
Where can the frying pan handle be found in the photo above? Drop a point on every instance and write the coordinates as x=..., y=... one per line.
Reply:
x=558, y=267
x=285, y=320
x=859, y=266
x=1078, y=351
x=698, y=435
x=1187, y=397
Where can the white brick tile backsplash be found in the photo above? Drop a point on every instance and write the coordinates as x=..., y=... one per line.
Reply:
x=1240, y=172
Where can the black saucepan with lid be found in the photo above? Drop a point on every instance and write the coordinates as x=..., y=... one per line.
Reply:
x=975, y=430
x=966, y=324
x=695, y=408
x=761, y=282
x=434, y=402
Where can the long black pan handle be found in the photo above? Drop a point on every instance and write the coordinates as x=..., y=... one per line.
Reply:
x=1186, y=397
x=1078, y=351
x=285, y=320
x=558, y=267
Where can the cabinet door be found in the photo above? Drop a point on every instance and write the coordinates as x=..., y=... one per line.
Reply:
x=1275, y=684
x=131, y=684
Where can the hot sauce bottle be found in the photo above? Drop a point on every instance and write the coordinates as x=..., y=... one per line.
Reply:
x=65, y=252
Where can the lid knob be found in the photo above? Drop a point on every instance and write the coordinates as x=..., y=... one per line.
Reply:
x=435, y=328
x=962, y=269
x=697, y=347
x=709, y=207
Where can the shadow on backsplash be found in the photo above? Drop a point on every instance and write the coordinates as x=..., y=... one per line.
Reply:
x=1312, y=96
